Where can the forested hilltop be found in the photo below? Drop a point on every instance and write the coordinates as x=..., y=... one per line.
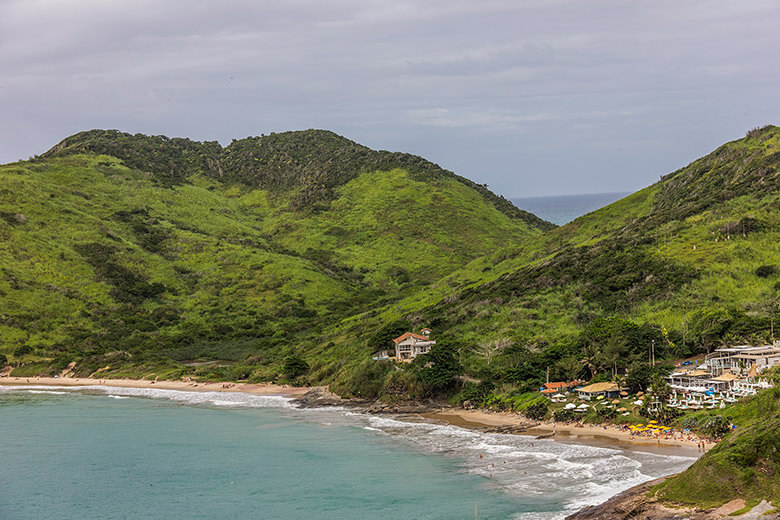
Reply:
x=132, y=254
x=296, y=256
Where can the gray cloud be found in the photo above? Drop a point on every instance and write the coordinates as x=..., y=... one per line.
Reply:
x=533, y=98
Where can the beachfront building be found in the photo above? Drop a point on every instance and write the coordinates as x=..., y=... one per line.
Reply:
x=410, y=345
x=596, y=389
x=558, y=387
x=741, y=359
x=697, y=380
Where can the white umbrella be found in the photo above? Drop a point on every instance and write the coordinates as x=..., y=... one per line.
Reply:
x=559, y=395
x=570, y=406
x=583, y=406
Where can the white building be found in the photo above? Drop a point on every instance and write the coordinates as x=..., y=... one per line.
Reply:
x=410, y=345
x=741, y=359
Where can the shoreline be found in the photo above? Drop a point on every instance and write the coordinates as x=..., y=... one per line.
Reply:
x=595, y=435
x=188, y=386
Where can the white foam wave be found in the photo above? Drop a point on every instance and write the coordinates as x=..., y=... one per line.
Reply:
x=118, y=396
x=182, y=396
x=50, y=392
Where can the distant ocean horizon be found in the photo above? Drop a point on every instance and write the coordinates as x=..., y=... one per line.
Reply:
x=562, y=209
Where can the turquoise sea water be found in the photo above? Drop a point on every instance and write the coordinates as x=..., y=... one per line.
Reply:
x=562, y=209
x=110, y=453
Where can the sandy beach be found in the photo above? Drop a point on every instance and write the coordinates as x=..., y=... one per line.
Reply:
x=475, y=419
x=192, y=386
x=688, y=445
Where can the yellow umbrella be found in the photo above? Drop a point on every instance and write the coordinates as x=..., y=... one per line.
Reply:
x=653, y=422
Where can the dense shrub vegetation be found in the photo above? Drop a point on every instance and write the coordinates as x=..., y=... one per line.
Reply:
x=183, y=258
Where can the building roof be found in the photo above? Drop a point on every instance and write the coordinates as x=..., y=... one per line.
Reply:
x=698, y=373
x=549, y=391
x=559, y=384
x=600, y=387
x=406, y=335
x=429, y=330
x=725, y=377
x=743, y=348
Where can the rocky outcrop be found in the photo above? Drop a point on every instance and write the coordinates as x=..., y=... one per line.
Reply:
x=637, y=504
x=378, y=408
x=320, y=396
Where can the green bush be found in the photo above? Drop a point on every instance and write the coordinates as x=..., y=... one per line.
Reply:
x=438, y=369
x=367, y=381
x=537, y=410
x=23, y=351
x=294, y=366
x=606, y=414
x=716, y=426
x=564, y=415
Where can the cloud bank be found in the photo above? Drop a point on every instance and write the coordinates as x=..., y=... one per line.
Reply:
x=532, y=97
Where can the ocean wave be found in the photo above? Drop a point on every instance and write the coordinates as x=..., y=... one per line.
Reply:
x=181, y=396
x=566, y=476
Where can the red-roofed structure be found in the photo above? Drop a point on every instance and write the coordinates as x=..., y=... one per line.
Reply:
x=410, y=345
x=559, y=386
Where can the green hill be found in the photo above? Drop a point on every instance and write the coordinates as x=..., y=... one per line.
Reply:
x=746, y=464
x=140, y=253
x=686, y=264
x=297, y=255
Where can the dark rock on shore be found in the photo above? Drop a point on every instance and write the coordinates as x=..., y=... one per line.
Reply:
x=637, y=504
x=320, y=396
x=379, y=408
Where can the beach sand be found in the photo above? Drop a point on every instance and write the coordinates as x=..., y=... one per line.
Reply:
x=473, y=419
x=587, y=434
x=191, y=386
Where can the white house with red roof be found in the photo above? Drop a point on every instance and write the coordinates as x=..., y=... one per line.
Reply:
x=410, y=345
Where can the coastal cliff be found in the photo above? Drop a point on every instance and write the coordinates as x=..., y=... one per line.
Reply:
x=639, y=503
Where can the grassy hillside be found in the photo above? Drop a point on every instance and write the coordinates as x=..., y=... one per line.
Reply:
x=745, y=464
x=688, y=263
x=122, y=250
x=166, y=255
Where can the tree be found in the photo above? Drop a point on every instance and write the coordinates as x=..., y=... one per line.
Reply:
x=3, y=360
x=569, y=367
x=591, y=360
x=639, y=376
x=294, y=366
x=537, y=410
x=439, y=368
x=488, y=350
x=660, y=387
x=716, y=426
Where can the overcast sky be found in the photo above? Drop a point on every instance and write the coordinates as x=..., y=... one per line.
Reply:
x=538, y=97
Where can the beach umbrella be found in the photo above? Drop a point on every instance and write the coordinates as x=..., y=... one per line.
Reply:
x=638, y=402
x=570, y=406
x=599, y=398
x=622, y=409
x=616, y=401
x=653, y=422
x=583, y=406
x=640, y=393
x=559, y=396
